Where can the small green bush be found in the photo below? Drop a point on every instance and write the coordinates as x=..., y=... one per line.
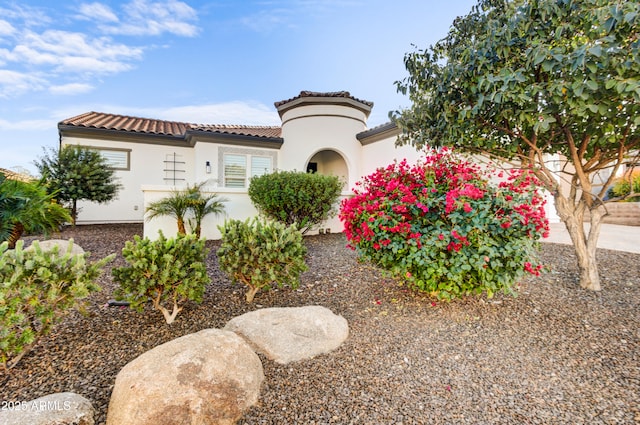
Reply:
x=289, y=197
x=626, y=185
x=260, y=254
x=163, y=270
x=38, y=288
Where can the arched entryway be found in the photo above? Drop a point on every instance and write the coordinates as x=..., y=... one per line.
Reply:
x=329, y=162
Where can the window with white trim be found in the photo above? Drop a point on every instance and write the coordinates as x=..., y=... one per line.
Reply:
x=238, y=168
x=117, y=159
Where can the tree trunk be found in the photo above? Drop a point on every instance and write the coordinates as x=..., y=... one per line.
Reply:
x=251, y=293
x=169, y=317
x=584, y=243
x=16, y=233
x=74, y=212
x=181, y=229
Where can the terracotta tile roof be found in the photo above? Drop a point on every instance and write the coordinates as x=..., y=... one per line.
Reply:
x=104, y=121
x=243, y=130
x=12, y=175
x=100, y=120
x=388, y=126
x=337, y=94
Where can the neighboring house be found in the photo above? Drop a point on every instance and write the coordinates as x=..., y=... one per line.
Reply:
x=321, y=132
x=12, y=175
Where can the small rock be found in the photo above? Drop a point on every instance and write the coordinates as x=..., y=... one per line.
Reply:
x=53, y=409
x=62, y=244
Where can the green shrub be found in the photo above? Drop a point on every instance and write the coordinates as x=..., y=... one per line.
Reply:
x=623, y=186
x=445, y=228
x=38, y=288
x=260, y=254
x=165, y=270
x=289, y=197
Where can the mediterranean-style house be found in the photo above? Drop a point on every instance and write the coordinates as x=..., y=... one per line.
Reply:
x=321, y=132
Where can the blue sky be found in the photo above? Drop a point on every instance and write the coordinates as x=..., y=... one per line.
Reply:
x=210, y=62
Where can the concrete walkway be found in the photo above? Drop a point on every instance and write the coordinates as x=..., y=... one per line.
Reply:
x=612, y=236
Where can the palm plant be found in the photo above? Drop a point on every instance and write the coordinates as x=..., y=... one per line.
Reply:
x=175, y=206
x=26, y=207
x=182, y=202
x=202, y=205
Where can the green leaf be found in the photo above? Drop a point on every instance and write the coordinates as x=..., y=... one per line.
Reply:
x=595, y=50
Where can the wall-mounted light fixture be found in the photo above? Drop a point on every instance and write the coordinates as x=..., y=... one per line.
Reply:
x=207, y=167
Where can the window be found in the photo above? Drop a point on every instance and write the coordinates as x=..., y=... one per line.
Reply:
x=235, y=168
x=118, y=159
x=260, y=165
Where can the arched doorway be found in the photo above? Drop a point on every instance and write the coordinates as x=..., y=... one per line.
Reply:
x=329, y=162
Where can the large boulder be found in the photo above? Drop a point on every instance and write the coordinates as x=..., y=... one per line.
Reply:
x=210, y=377
x=53, y=409
x=290, y=334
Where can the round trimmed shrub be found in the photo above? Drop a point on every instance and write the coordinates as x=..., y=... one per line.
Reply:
x=294, y=197
x=445, y=227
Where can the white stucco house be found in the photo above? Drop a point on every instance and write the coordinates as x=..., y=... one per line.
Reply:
x=323, y=132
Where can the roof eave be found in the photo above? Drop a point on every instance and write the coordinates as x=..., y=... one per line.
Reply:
x=376, y=134
x=234, y=139
x=124, y=135
x=326, y=100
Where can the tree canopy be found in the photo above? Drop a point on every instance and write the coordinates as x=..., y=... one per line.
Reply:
x=76, y=173
x=521, y=80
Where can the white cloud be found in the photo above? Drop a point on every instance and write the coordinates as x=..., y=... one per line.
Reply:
x=143, y=17
x=15, y=83
x=268, y=20
x=73, y=53
x=34, y=59
x=29, y=125
x=30, y=16
x=6, y=28
x=98, y=11
x=70, y=89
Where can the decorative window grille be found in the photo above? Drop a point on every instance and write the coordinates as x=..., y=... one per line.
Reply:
x=174, y=169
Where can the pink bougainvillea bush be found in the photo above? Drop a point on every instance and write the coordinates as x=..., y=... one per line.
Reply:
x=448, y=227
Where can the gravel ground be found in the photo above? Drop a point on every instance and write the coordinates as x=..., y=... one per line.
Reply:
x=556, y=354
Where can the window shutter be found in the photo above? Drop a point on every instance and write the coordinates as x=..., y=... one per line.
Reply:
x=260, y=165
x=235, y=170
x=115, y=158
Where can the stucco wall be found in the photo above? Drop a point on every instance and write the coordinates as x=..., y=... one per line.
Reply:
x=383, y=152
x=310, y=129
x=146, y=165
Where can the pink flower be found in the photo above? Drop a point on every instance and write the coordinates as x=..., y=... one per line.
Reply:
x=441, y=236
x=467, y=208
